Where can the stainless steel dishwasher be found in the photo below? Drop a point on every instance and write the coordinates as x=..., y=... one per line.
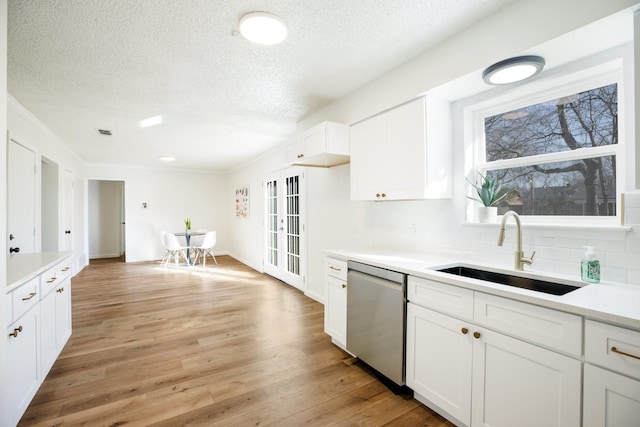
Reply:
x=376, y=305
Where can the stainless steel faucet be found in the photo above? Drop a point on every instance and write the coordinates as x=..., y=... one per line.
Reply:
x=520, y=258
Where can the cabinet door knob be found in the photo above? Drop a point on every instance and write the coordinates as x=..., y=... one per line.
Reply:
x=16, y=331
x=476, y=334
x=464, y=331
x=14, y=250
x=344, y=285
x=61, y=290
x=383, y=195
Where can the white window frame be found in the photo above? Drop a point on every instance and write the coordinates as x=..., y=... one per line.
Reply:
x=536, y=92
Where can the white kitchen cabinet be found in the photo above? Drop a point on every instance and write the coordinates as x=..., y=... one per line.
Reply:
x=55, y=325
x=519, y=384
x=439, y=350
x=335, y=309
x=324, y=145
x=403, y=153
x=612, y=389
x=481, y=377
x=40, y=326
x=23, y=374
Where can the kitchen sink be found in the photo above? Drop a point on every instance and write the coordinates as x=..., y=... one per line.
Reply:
x=511, y=280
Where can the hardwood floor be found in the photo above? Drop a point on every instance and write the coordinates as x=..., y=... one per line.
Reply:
x=226, y=346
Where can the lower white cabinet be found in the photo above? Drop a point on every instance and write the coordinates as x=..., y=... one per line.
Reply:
x=439, y=350
x=476, y=376
x=55, y=325
x=610, y=399
x=519, y=384
x=40, y=326
x=335, y=309
x=612, y=389
x=23, y=374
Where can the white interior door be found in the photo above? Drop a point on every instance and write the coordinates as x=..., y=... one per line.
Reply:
x=21, y=198
x=284, y=226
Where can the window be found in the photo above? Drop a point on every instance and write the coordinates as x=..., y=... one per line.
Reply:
x=556, y=153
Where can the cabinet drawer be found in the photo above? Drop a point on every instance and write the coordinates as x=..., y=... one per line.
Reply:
x=554, y=329
x=23, y=298
x=336, y=268
x=604, y=345
x=447, y=299
x=63, y=269
x=50, y=279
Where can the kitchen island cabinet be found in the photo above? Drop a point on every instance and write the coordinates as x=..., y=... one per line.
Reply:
x=403, y=153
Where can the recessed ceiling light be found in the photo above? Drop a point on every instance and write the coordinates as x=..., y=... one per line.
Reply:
x=151, y=121
x=167, y=158
x=513, y=70
x=262, y=28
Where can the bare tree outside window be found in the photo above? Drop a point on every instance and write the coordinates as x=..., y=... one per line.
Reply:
x=549, y=185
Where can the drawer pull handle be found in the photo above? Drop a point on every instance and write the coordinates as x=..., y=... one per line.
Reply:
x=31, y=295
x=465, y=331
x=65, y=269
x=335, y=268
x=476, y=334
x=615, y=350
x=53, y=279
x=16, y=331
x=344, y=285
x=61, y=290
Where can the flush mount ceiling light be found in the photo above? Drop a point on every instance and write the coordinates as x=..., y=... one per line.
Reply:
x=167, y=158
x=262, y=28
x=513, y=70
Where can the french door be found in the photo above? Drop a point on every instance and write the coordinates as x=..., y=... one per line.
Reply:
x=284, y=226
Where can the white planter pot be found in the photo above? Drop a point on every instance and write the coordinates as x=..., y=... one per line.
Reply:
x=487, y=215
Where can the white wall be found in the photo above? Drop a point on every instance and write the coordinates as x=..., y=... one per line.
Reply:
x=171, y=196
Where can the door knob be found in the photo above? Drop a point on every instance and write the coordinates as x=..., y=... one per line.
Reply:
x=11, y=237
x=67, y=231
x=12, y=250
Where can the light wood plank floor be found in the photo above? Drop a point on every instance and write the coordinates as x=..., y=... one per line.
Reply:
x=226, y=346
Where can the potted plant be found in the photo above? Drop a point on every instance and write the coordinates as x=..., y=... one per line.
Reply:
x=187, y=225
x=489, y=193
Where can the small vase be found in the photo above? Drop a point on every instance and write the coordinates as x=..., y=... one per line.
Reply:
x=487, y=214
x=188, y=232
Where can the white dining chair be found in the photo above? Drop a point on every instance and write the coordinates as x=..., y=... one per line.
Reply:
x=206, y=248
x=175, y=249
x=167, y=253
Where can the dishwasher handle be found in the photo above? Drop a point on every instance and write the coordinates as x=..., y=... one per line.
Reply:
x=369, y=280
x=382, y=273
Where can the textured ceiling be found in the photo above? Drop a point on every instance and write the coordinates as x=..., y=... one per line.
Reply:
x=80, y=65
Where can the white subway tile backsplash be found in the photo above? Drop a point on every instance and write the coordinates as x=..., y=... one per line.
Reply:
x=622, y=260
x=633, y=277
x=631, y=216
x=632, y=199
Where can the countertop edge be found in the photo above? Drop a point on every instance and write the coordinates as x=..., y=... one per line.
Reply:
x=24, y=267
x=576, y=302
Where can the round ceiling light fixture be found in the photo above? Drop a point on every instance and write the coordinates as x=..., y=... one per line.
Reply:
x=262, y=28
x=513, y=70
x=167, y=158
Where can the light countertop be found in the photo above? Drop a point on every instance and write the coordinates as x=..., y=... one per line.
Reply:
x=23, y=267
x=608, y=302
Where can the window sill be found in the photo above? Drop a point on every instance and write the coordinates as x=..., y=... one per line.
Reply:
x=609, y=228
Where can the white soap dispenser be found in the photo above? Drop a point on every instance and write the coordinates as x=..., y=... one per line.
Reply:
x=590, y=266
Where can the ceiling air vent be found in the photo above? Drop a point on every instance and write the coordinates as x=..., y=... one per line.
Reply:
x=105, y=132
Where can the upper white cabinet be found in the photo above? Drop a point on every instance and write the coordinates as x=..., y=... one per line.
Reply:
x=403, y=153
x=324, y=145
